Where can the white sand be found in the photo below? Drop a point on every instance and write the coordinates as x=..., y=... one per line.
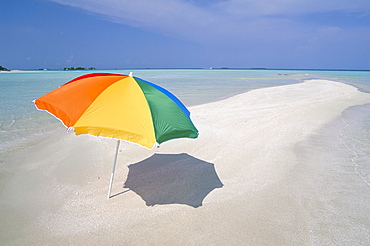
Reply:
x=276, y=189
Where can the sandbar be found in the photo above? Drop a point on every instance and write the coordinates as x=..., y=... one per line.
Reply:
x=275, y=188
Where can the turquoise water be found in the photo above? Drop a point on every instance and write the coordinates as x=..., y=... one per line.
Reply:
x=21, y=123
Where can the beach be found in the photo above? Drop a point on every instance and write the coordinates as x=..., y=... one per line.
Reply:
x=282, y=176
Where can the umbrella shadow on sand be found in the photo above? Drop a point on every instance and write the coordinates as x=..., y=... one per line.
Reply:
x=172, y=179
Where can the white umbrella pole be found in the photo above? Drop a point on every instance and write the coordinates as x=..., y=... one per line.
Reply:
x=114, y=167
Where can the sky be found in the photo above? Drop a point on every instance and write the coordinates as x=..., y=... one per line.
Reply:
x=110, y=34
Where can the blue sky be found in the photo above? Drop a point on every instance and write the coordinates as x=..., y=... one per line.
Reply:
x=326, y=34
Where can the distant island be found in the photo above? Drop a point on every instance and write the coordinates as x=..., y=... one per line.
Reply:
x=3, y=69
x=66, y=69
x=78, y=68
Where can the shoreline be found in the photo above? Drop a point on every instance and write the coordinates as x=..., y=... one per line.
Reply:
x=200, y=68
x=57, y=193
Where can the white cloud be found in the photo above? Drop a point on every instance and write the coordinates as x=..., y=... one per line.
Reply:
x=170, y=17
x=260, y=8
x=220, y=22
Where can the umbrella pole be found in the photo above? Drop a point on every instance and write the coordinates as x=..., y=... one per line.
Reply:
x=114, y=167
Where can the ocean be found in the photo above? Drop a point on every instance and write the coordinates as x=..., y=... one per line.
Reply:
x=21, y=125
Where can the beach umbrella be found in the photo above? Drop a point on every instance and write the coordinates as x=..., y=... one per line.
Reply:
x=121, y=107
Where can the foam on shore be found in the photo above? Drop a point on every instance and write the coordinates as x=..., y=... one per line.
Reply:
x=54, y=192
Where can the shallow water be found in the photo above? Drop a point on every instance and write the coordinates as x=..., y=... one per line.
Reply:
x=355, y=136
x=333, y=173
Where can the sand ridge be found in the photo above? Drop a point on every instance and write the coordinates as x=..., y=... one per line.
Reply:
x=58, y=191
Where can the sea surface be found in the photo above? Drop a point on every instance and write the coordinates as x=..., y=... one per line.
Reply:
x=21, y=125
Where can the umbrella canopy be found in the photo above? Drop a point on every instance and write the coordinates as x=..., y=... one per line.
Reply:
x=119, y=106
